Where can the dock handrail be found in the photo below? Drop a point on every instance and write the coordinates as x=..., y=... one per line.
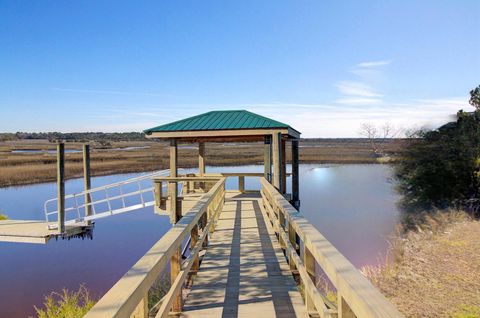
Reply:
x=356, y=296
x=129, y=294
x=75, y=212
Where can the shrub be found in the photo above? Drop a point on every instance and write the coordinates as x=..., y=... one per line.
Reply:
x=68, y=304
x=441, y=168
x=3, y=217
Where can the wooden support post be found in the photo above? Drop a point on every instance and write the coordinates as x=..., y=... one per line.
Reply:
x=141, y=311
x=201, y=159
x=267, y=160
x=284, y=166
x=61, y=186
x=172, y=186
x=277, y=160
x=295, y=175
x=193, y=243
x=175, y=215
x=87, y=180
x=241, y=184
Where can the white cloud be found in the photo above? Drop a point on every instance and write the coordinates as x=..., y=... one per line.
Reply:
x=356, y=89
x=358, y=101
x=374, y=63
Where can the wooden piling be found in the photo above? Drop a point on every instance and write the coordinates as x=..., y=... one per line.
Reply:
x=61, y=186
x=87, y=180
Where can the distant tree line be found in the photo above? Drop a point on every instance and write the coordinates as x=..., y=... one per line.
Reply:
x=80, y=137
x=440, y=169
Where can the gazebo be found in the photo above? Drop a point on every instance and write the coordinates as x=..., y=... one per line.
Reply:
x=236, y=126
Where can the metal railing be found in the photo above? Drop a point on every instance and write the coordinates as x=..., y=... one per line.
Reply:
x=114, y=198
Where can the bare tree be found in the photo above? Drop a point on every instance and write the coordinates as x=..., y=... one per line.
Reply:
x=378, y=136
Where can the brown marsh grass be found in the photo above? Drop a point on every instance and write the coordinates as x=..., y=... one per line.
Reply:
x=27, y=168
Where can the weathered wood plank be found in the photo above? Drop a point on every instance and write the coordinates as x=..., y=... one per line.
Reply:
x=244, y=273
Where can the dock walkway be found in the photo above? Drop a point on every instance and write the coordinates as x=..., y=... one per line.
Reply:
x=244, y=272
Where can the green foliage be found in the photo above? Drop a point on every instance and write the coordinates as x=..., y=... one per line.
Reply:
x=68, y=304
x=475, y=97
x=441, y=168
x=3, y=217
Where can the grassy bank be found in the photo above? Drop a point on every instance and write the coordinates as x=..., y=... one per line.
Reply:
x=435, y=270
x=28, y=168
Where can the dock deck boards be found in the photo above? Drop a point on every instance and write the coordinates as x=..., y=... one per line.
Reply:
x=33, y=231
x=244, y=272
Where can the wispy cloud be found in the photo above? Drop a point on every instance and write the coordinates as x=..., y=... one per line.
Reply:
x=356, y=89
x=358, y=101
x=374, y=63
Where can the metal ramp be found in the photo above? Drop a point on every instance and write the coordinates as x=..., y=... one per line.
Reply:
x=115, y=198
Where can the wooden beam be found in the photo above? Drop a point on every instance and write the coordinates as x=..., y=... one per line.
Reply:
x=61, y=186
x=295, y=174
x=87, y=179
x=277, y=160
x=201, y=158
x=267, y=160
x=217, y=133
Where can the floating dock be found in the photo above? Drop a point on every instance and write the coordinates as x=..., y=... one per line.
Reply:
x=39, y=232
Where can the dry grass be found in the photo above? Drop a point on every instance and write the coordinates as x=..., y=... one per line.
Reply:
x=435, y=270
x=21, y=168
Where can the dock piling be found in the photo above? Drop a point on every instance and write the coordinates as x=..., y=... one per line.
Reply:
x=61, y=186
x=87, y=179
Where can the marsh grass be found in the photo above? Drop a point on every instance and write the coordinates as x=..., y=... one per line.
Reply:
x=21, y=168
x=67, y=304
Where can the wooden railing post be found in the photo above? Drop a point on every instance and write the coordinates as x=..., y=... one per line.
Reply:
x=193, y=243
x=344, y=310
x=241, y=184
x=61, y=186
x=141, y=311
x=292, y=237
x=309, y=263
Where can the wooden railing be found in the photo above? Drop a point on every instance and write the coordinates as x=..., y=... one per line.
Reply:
x=305, y=247
x=129, y=296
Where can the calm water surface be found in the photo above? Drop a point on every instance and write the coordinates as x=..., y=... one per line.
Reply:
x=352, y=205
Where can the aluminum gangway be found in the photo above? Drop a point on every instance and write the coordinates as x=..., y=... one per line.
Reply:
x=111, y=199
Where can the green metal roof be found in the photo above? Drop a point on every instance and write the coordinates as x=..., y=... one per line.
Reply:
x=220, y=120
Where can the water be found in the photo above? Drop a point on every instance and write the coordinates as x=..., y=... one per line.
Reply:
x=352, y=205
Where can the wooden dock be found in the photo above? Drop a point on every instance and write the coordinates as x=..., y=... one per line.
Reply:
x=258, y=253
x=244, y=272
x=38, y=232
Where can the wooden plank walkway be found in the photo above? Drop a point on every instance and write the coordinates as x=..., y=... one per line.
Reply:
x=32, y=231
x=244, y=272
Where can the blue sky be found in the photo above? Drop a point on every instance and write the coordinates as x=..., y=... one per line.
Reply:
x=324, y=67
